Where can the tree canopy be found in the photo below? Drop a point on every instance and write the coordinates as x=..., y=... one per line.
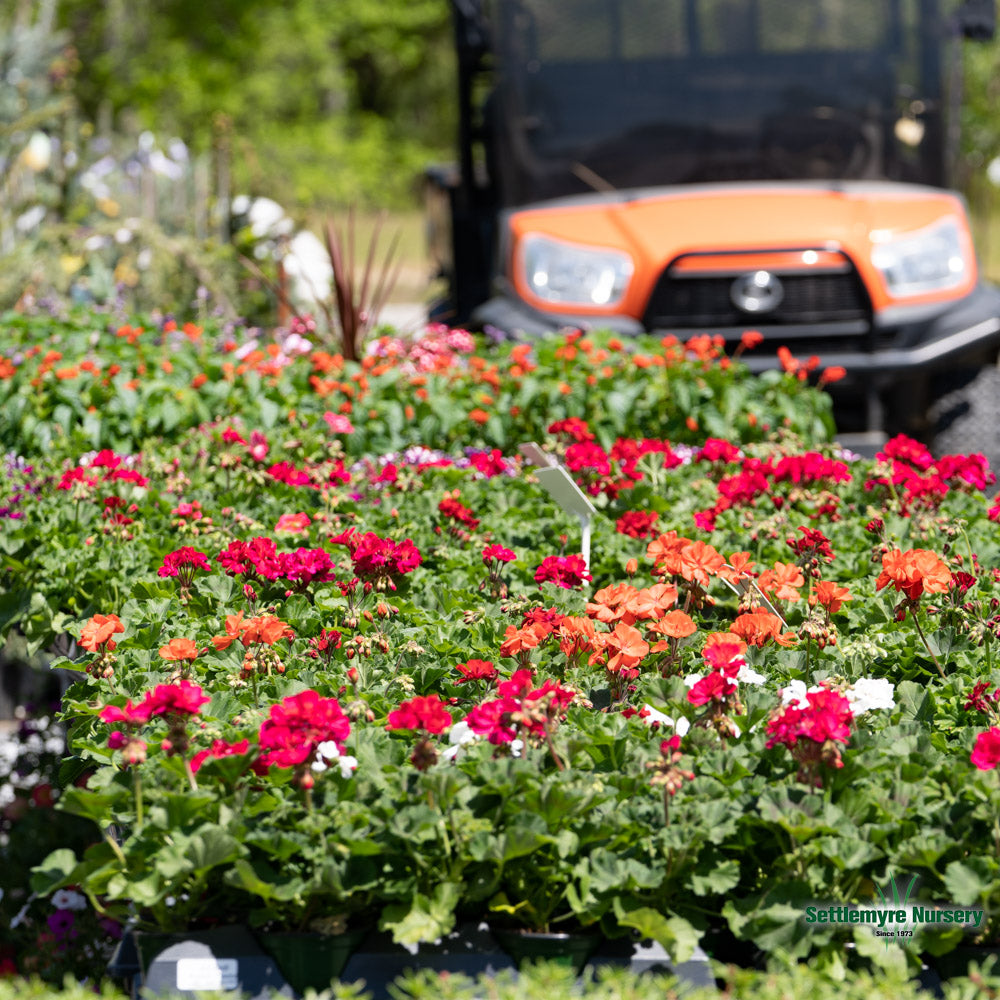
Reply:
x=321, y=103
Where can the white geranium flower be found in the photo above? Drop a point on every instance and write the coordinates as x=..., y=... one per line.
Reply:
x=347, y=764
x=747, y=675
x=871, y=693
x=459, y=736
x=328, y=751
x=794, y=693
x=679, y=726
x=461, y=733
x=67, y=899
x=652, y=715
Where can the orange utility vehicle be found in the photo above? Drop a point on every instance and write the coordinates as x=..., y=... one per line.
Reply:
x=692, y=166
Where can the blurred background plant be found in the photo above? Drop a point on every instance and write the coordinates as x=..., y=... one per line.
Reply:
x=129, y=115
x=52, y=937
x=96, y=207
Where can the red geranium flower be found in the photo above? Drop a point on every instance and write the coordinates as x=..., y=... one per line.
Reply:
x=636, y=523
x=426, y=713
x=182, y=698
x=297, y=725
x=476, y=670
x=499, y=553
x=183, y=562
x=219, y=749
x=714, y=687
x=131, y=715
x=568, y=572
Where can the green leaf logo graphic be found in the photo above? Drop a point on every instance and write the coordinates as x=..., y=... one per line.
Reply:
x=896, y=900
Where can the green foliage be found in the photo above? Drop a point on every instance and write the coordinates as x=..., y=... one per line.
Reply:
x=136, y=264
x=318, y=104
x=32, y=94
x=590, y=822
x=152, y=395
x=549, y=982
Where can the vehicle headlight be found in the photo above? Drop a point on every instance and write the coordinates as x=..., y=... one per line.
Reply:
x=928, y=260
x=574, y=275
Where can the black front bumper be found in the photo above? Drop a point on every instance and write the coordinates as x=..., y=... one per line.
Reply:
x=905, y=341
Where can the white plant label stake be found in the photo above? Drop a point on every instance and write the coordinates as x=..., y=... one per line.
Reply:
x=560, y=486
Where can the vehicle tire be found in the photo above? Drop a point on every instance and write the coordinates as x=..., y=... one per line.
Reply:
x=965, y=414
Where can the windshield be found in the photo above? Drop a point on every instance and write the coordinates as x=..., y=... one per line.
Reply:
x=597, y=94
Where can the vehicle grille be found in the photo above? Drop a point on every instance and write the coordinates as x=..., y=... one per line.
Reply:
x=686, y=301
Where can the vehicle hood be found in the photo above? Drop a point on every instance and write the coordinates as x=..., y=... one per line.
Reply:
x=657, y=225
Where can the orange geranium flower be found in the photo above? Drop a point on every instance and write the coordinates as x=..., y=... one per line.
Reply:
x=623, y=602
x=624, y=648
x=576, y=635
x=700, y=562
x=914, y=573
x=830, y=596
x=739, y=568
x=521, y=355
x=610, y=604
x=647, y=606
x=665, y=594
x=99, y=631
x=676, y=624
x=673, y=625
x=519, y=640
x=665, y=550
x=757, y=627
x=234, y=631
x=179, y=649
x=267, y=629
x=783, y=581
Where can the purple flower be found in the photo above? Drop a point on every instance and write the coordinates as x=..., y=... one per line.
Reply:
x=61, y=924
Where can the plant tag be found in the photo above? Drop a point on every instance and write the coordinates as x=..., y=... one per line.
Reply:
x=558, y=483
x=207, y=974
x=536, y=456
x=561, y=486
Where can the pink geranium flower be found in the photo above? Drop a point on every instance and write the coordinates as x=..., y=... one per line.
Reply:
x=293, y=524
x=986, y=753
x=338, y=423
x=183, y=563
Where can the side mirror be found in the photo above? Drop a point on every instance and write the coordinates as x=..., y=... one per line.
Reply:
x=977, y=19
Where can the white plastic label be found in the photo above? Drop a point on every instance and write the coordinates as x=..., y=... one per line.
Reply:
x=207, y=974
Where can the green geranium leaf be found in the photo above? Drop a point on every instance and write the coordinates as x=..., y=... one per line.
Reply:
x=720, y=879
x=678, y=936
x=425, y=918
x=970, y=881
x=55, y=871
